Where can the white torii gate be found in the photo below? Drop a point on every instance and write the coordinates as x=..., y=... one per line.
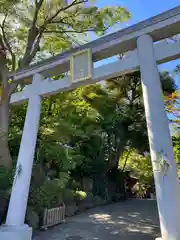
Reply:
x=145, y=52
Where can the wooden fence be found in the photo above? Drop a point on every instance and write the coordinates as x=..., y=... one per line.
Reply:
x=53, y=216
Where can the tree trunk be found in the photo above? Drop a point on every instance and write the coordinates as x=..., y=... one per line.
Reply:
x=5, y=157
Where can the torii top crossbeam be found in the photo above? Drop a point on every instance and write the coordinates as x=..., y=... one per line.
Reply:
x=159, y=27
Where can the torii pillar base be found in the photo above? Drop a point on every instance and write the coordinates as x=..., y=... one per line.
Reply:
x=23, y=232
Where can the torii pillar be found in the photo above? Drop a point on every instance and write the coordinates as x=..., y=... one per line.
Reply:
x=164, y=166
x=15, y=229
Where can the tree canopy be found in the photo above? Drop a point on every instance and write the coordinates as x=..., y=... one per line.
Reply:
x=86, y=132
x=31, y=30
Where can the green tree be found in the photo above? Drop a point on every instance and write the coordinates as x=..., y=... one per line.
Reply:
x=139, y=166
x=32, y=30
x=84, y=132
x=172, y=99
x=101, y=121
x=176, y=148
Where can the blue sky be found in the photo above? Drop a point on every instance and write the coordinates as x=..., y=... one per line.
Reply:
x=141, y=10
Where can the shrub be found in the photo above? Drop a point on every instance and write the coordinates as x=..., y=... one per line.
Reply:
x=80, y=195
x=48, y=195
x=5, y=179
x=68, y=196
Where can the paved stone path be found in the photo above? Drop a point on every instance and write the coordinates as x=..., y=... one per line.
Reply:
x=129, y=220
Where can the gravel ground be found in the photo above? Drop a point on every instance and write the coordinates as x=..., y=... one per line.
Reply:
x=129, y=220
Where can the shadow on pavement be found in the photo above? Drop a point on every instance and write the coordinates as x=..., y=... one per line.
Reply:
x=129, y=220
